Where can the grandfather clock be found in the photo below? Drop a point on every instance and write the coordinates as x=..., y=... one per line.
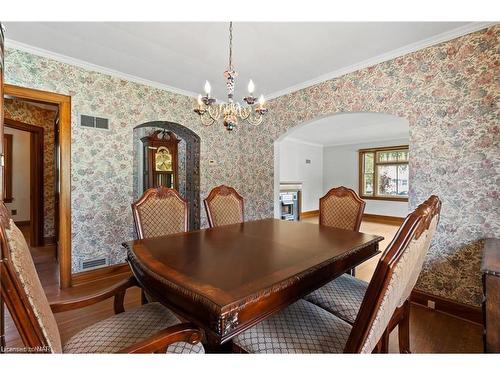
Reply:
x=160, y=160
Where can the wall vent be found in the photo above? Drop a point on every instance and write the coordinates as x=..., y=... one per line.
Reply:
x=94, y=122
x=90, y=264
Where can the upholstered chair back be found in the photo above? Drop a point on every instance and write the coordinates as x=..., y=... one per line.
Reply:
x=22, y=291
x=341, y=208
x=160, y=212
x=419, y=259
x=224, y=206
x=395, y=276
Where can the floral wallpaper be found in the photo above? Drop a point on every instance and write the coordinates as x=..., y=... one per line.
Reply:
x=102, y=161
x=34, y=115
x=448, y=92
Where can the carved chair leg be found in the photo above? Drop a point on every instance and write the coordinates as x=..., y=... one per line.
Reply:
x=384, y=342
x=404, y=329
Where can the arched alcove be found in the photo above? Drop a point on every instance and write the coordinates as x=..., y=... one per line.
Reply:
x=189, y=164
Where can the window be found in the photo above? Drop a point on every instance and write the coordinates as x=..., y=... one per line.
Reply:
x=383, y=173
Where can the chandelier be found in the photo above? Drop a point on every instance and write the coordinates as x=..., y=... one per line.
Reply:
x=230, y=112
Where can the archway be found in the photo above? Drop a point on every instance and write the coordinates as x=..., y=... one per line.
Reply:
x=189, y=151
x=346, y=133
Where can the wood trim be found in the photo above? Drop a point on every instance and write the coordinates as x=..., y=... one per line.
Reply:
x=64, y=103
x=467, y=312
x=385, y=148
x=22, y=222
x=37, y=200
x=383, y=219
x=306, y=214
x=7, y=168
x=100, y=273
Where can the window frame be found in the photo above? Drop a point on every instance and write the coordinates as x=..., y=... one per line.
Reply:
x=361, y=171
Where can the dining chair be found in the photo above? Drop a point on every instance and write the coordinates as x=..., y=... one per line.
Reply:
x=341, y=208
x=159, y=212
x=149, y=328
x=304, y=327
x=343, y=296
x=224, y=206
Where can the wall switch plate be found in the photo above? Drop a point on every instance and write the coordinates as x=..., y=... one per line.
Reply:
x=431, y=304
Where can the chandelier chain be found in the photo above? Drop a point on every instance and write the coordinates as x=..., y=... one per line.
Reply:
x=230, y=46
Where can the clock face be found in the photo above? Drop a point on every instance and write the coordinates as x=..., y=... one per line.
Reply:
x=163, y=160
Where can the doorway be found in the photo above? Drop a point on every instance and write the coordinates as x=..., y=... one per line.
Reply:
x=24, y=182
x=60, y=220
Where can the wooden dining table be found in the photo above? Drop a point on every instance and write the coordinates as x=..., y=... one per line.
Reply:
x=228, y=279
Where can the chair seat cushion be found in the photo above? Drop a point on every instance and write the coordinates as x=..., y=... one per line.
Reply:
x=300, y=328
x=342, y=297
x=125, y=329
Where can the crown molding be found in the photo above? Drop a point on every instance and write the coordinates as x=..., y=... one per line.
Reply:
x=9, y=43
x=424, y=43
x=296, y=140
x=436, y=39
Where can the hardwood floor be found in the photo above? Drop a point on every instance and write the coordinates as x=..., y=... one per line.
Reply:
x=431, y=331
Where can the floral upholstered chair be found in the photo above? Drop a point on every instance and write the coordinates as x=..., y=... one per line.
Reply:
x=305, y=327
x=344, y=295
x=149, y=328
x=224, y=206
x=160, y=212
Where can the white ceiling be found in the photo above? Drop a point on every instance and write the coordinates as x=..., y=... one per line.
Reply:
x=279, y=57
x=351, y=128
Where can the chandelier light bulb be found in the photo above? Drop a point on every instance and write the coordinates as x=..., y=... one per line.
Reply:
x=208, y=88
x=251, y=87
x=262, y=101
x=200, y=102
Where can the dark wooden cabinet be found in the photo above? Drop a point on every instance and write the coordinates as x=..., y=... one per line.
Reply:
x=160, y=160
x=490, y=268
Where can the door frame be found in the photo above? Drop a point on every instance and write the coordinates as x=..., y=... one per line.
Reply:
x=36, y=179
x=64, y=104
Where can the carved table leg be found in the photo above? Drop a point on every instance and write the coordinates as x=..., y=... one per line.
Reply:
x=213, y=345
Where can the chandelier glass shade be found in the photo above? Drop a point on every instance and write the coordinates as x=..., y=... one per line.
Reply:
x=230, y=112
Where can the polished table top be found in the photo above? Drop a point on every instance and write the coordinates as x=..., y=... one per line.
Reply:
x=251, y=268
x=228, y=263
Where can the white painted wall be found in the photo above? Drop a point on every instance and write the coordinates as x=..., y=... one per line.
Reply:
x=340, y=167
x=293, y=168
x=20, y=174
